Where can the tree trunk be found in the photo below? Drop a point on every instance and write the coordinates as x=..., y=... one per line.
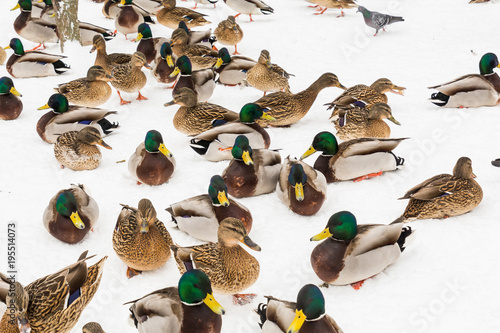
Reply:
x=67, y=21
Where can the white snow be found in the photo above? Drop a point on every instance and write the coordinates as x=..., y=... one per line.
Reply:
x=446, y=281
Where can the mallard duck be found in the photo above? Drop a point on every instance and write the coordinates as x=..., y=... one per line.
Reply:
x=128, y=18
x=288, y=108
x=323, y=5
x=148, y=45
x=358, y=122
x=249, y=7
x=43, y=9
x=228, y=32
x=112, y=8
x=90, y=91
x=251, y=172
x=152, y=163
x=365, y=96
x=201, y=56
x=307, y=315
x=71, y=214
x=77, y=149
x=129, y=77
x=471, y=90
x=92, y=327
x=194, y=118
x=201, y=81
x=201, y=215
x=232, y=70
x=170, y=16
x=444, y=195
x=355, y=159
x=229, y=267
x=188, y=308
x=65, y=117
x=164, y=65
x=268, y=77
x=33, y=63
x=3, y=56
x=204, y=2
x=11, y=105
x=352, y=252
x=214, y=143
x=301, y=187
x=203, y=37
x=140, y=240
x=35, y=30
x=41, y=31
x=55, y=302
x=108, y=62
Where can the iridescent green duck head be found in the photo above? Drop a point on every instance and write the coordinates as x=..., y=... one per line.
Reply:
x=57, y=102
x=7, y=87
x=183, y=66
x=297, y=178
x=154, y=143
x=144, y=32
x=251, y=112
x=241, y=150
x=25, y=5
x=17, y=46
x=488, y=62
x=217, y=190
x=324, y=142
x=166, y=54
x=224, y=58
x=183, y=26
x=67, y=206
x=195, y=288
x=310, y=307
x=341, y=226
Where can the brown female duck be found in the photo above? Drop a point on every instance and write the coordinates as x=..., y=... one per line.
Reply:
x=129, y=77
x=358, y=122
x=444, y=195
x=140, y=240
x=78, y=151
x=228, y=32
x=268, y=77
x=288, y=108
x=230, y=268
x=53, y=303
x=193, y=117
x=170, y=16
x=105, y=60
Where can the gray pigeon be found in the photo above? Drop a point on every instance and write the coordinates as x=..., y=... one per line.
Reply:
x=378, y=20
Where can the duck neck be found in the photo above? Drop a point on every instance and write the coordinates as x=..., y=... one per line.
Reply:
x=308, y=96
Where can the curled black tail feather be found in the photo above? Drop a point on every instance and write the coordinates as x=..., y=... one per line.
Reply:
x=439, y=99
x=405, y=232
x=261, y=311
x=106, y=125
x=60, y=67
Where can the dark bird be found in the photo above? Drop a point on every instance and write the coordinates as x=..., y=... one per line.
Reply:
x=378, y=20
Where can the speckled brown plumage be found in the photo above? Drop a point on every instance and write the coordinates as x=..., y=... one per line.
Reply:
x=140, y=240
x=359, y=122
x=129, y=77
x=105, y=60
x=288, y=108
x=368, y=95
x=78, y=151
x=92, y=327
x=170, y=16
x=193, y=118
x=268, y=77
x=228, y=32
x=230, y=268
x=47, y=311
x=444, y=195
x=91, y=91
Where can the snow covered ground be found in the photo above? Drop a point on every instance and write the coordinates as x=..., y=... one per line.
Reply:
x=444, y=282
